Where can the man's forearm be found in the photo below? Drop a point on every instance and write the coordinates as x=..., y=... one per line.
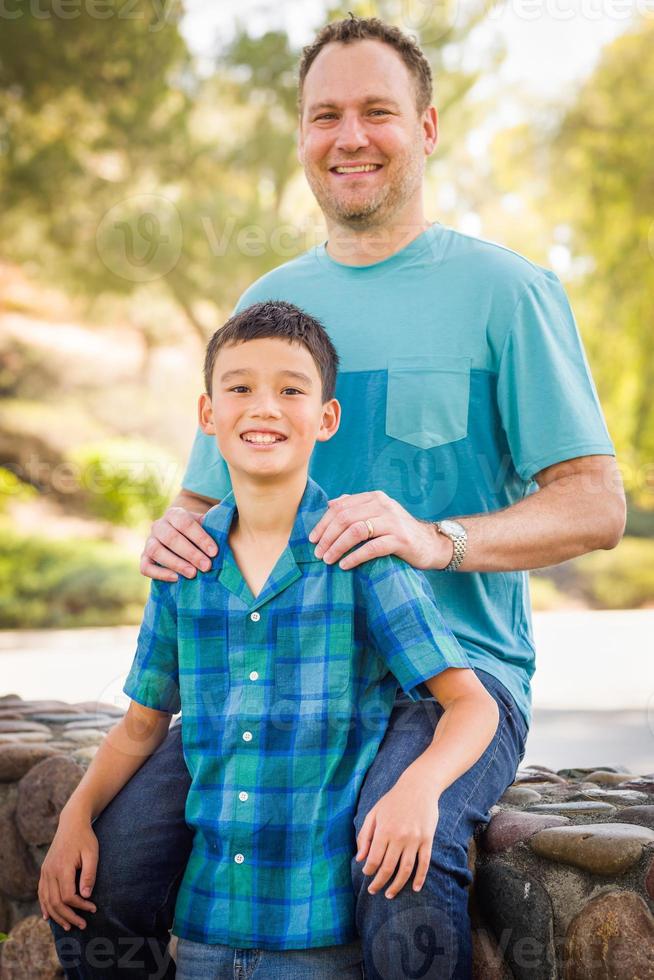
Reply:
x=193, y=502
x=569, y=516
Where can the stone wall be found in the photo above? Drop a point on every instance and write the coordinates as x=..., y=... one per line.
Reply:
x=564, y=872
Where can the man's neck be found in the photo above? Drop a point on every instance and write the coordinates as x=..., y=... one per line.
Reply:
x=374, y=244
x=266, y=511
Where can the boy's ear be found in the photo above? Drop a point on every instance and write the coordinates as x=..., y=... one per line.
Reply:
x=331, y=419
x=205, y=415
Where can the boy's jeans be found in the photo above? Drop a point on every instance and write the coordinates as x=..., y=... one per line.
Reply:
x=196, y=961
x=145, y=843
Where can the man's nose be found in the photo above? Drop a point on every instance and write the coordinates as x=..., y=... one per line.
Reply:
x=352, y=134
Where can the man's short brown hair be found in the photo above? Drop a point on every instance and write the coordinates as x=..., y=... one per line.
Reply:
x=372, y=28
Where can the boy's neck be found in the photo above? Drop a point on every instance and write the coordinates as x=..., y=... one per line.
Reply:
x=266, y=510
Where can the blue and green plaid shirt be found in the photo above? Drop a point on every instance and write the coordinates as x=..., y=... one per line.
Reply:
x=285, y=700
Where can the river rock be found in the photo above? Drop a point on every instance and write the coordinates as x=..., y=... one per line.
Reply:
x=19, y=875
x=16, y=759
x=612, y=937
x=511, y=827
x=517, y=907
x=601, y=848
x=22, y=726
x=642, y=815
x=520, y=794
x=577, y=808
x=42, y=794
x=63, y=718
x=525, y=776
x=29, y=953
x=93, y=721
x=487, y=960
x=649, y=880
x=84, y=734
x=102, y=707
x=642, y=785
x=619, y=797
x=607, y=778
x=11, y=738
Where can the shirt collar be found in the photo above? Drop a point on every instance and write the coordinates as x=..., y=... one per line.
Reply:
x=313, y=504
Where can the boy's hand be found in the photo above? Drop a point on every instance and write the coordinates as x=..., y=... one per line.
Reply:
x=399, y=828
x=74, y=846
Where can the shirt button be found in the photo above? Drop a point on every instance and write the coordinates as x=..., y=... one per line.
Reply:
x=255, y=617
x=243, y=796
x=247, y=736
x=254, y=675
x=239, y=858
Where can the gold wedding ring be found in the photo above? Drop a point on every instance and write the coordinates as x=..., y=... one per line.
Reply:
x=371, y=529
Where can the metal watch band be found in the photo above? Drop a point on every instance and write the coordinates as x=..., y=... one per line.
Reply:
x=459, y=541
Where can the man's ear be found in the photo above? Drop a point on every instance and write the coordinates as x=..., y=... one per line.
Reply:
x=331, y=419
x=430, y=129
x=205, y=415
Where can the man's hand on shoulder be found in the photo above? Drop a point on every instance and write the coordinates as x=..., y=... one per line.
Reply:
x=348, y=521
x=177, y=544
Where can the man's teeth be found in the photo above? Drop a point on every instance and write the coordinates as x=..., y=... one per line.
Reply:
x=363, y=169
x=252, y=437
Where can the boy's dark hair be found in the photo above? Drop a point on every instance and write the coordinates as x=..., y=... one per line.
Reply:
x=277, y=318
x=354, y=28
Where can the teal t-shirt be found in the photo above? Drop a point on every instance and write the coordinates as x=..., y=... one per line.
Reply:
x=462, y=375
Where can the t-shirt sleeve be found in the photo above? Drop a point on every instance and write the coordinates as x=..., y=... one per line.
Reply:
x=546, y=396
x=404, y=624
x=153, y=679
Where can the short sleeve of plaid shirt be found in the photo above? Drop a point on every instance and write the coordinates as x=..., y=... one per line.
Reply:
x=153, y=679
x=404, y=623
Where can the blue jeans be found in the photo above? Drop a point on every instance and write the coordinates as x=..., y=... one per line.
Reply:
x=145, y=842
x=199, y=961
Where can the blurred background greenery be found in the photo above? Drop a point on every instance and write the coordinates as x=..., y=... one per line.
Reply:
x=145, y=183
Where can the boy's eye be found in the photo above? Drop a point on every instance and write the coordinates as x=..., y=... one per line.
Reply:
x=237, y=387
x=293, y=389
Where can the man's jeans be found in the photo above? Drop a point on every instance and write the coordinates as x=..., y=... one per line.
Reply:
x=145, y=843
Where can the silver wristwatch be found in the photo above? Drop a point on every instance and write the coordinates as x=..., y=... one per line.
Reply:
x=459, y=538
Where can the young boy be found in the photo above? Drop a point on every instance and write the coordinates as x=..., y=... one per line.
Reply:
x=286, y=670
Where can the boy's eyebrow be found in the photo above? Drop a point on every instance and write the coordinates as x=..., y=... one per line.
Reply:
x=367, y=101
x=292, y=374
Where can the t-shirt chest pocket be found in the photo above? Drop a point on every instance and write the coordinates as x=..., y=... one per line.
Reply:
x=313, y=655
x=427, y=399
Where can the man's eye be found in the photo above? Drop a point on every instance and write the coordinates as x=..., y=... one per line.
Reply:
x=325, y=115
x=384, y=112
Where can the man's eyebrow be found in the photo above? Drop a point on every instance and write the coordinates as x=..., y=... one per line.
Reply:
x=367, y=101
x=241, y=371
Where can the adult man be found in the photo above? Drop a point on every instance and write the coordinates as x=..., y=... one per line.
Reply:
x=463, y=381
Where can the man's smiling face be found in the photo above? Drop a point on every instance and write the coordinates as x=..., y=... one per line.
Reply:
x=362, y=141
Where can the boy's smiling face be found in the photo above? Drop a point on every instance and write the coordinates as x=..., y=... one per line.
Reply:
x=266, y=409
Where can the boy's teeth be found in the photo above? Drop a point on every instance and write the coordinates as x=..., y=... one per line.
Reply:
x=364, y=169
x=250, y=437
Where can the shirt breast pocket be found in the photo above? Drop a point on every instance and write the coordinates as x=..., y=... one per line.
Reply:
x=313, y=656
x=427, y=399
x=202, y=644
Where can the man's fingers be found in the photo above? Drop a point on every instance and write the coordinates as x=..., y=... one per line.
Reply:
x=151, y=570
x=424, y=858
x=157, y=552
x=190, y=525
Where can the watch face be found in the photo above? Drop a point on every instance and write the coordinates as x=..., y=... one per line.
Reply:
x=452, y=527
